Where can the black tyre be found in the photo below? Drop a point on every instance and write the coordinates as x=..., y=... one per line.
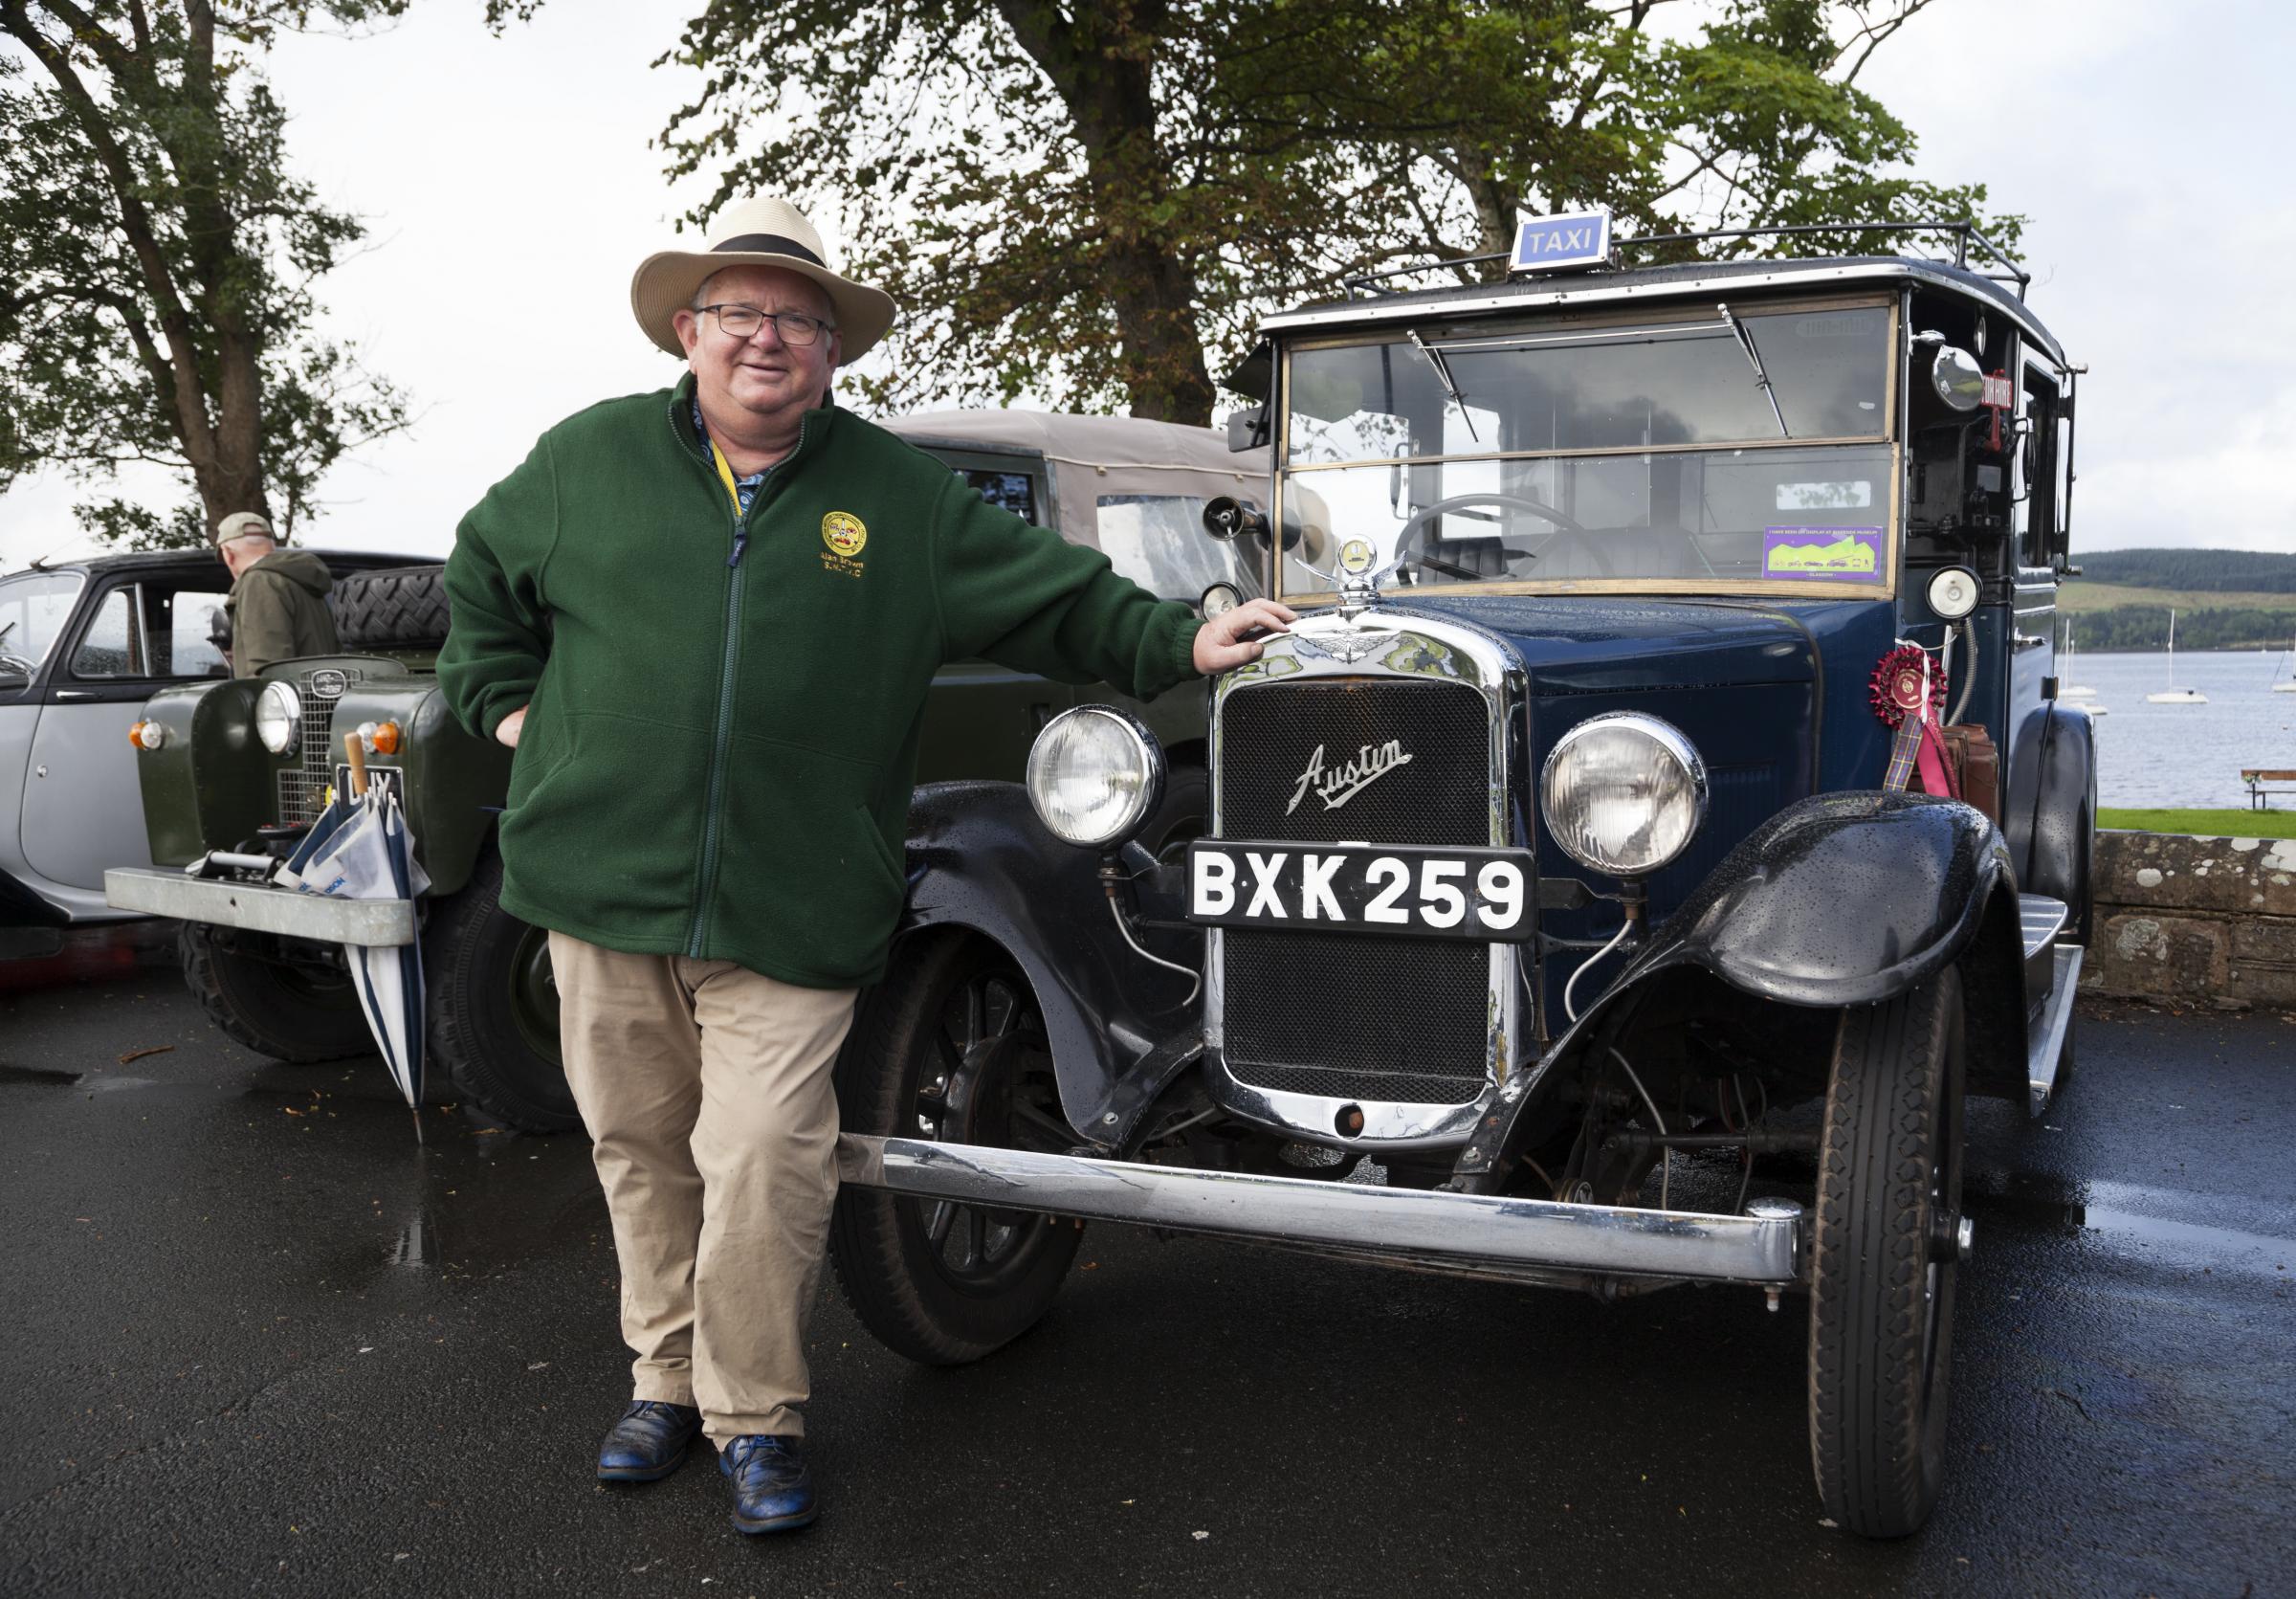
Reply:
x=295, y=1011
x=392, y=608
x=493, y=1007
x=1882, y=1278
x=949, y=1046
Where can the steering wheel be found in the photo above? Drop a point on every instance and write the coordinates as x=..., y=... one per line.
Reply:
x=1421, y=520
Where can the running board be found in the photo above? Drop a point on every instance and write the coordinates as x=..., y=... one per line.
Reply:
x=1763, y=1249
x=2048, y=1038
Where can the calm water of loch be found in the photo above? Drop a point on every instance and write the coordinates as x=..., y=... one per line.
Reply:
x=2187, y=755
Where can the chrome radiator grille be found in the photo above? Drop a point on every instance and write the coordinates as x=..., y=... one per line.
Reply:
x=1346, y=1016
x=303, y=788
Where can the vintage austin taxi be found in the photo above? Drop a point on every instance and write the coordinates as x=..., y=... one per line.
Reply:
x=1658, y=825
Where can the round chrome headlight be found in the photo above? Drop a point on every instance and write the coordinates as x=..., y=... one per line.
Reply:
x=279, y=716
x=1953, y=594
x=1624, y=794
x=1094, y=774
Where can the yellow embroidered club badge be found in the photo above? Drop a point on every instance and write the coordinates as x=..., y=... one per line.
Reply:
x=842, y=531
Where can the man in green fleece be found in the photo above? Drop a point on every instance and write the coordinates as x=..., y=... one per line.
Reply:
x=707, y=618
x=278, y=601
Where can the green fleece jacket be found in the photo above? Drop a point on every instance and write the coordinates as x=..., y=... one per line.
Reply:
x=724, y=710
x=278, y=610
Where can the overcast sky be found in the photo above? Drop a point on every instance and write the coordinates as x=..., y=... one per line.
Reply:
x=511, y=188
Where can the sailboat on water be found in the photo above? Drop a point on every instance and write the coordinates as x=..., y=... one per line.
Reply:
x=2285, y=685
x=2172, y=695
x=2081, y=694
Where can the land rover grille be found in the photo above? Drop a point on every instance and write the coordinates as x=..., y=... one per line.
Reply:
x=304, y=787
x=1342, y=1015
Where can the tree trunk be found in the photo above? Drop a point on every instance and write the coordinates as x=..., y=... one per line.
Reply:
x=1100, y=66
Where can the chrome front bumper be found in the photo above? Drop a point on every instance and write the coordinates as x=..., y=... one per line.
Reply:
x=259, y=908
x=1470, y=1229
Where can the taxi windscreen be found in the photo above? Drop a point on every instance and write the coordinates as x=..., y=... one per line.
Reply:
x=1726, y=447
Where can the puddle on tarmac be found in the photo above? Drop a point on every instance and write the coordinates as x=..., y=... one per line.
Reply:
x=46, y=1076
x=2125, y=1217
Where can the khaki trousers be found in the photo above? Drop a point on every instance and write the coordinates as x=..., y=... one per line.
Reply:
x=713, y=1120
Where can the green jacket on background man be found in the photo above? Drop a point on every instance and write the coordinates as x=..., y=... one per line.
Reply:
x=278, y=610
x=724, y=711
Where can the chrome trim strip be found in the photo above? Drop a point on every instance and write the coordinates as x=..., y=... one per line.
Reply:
x=1595, y=290
x=1325, y=644
x=1608, y=1239
x=259, y=909
x=2041, y=1059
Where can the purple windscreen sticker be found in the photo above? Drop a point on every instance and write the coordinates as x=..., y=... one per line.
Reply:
x=1852, y=554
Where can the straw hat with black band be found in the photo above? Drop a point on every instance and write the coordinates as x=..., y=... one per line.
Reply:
x=756, y=232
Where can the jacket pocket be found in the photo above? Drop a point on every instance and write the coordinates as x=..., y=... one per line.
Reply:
x=607, y=832
x=805, y=879
x=896, y=869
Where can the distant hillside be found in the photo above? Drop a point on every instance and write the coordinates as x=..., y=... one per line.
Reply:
x=2146, y=627
x=2255, y=571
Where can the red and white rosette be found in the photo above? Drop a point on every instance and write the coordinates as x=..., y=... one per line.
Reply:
x=1908, y=692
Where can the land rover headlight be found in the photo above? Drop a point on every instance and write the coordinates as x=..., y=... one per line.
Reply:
x=1624, y=794
x=1094, y=774
x=279, y=716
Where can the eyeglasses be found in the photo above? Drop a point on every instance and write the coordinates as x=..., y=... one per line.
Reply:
x=742, y=322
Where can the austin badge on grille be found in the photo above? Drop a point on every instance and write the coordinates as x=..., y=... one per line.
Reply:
x=1341, y=783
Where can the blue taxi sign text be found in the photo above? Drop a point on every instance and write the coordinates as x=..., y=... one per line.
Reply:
x=1569, y=239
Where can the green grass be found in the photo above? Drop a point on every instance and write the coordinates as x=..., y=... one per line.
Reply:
x=2208, y=824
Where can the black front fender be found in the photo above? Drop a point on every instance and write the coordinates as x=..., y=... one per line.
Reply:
x=1119, y=1027
x=1843, y=899
x=1846, y=899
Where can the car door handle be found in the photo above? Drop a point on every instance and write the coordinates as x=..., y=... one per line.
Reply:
x=75, y=693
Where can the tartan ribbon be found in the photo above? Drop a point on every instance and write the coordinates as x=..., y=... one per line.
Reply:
x=1907, y=689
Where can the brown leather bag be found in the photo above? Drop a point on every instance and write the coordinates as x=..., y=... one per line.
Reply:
x=1976, y=765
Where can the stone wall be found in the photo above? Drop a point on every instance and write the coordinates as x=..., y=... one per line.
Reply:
x=2198, y=921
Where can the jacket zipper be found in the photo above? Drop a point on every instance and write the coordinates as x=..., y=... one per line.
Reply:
x=723, y=735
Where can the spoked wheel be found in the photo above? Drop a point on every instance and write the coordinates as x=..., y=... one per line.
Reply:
x=950, y=1047
x=1888, y=1216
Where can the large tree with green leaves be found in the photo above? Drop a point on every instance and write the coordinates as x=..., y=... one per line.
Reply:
x=1091, y=201
x=157, y=260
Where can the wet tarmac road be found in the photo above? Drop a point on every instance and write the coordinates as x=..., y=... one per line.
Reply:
x=254, y=1341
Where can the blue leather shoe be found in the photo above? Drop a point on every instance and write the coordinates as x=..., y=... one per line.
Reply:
x=648, y=1442
x=773, y=1492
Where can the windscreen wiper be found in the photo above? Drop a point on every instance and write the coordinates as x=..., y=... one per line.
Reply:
x=1443, y=371
x=1761, y=374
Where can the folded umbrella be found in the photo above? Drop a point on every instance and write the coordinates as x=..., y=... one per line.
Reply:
x=369, y=855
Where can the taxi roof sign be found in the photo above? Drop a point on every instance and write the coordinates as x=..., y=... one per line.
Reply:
x=1578, y=238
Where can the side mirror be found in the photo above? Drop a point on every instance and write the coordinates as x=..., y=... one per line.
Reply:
x=1225, y=518
x=1954, y=372
x=1248, y=429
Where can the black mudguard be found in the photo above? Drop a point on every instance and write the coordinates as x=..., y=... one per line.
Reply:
x=2061, y=826
x=1843, y=899
x=1120, y=1027
x=1846, y=899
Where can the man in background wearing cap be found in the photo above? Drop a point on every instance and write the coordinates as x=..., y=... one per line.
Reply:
x=707, y=618
x=277, y=606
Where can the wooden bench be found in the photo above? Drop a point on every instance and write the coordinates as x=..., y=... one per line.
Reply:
x=2257, y=777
